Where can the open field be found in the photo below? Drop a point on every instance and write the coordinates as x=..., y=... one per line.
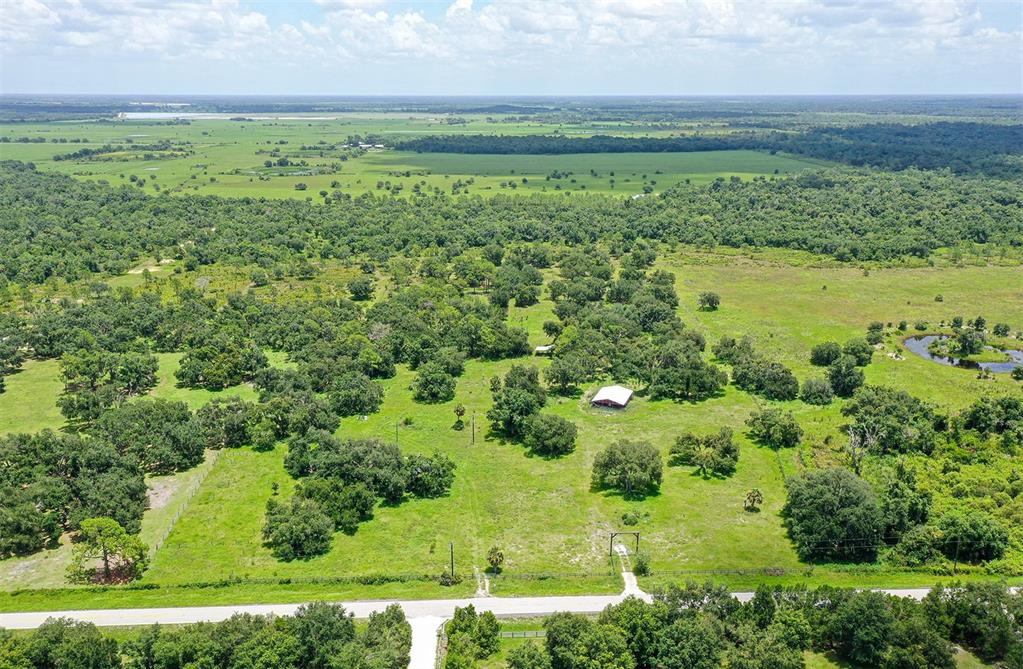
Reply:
x=542, y=513
x=227, y=158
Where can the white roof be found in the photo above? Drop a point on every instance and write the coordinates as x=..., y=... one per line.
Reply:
x=614, y=394
x=544, y=348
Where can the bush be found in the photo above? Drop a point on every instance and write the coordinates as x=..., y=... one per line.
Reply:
x=641, y=565
x=817, y=392
x=298, y=529
x=634, y=467
x=774, y=428
x=825, y=353
x=550, y=435
x=346, y=505
x=361, y=288
x=844, y=376
x=860, y=350
x=709, y=301
x=716, y=453
x=354, y=394
x=894, y=420
x=832, y=514
x=972, y=536
x=433, y=384
x=429, y=476
x=916, y=547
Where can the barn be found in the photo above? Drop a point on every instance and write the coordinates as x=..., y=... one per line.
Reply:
x=616, y=397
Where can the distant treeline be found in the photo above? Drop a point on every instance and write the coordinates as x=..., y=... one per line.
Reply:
x=53, y=225
x=559, y=144
x=87, y=153
x=965, y=148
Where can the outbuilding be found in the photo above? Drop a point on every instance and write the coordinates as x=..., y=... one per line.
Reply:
x=616, y=397
x=543, y=350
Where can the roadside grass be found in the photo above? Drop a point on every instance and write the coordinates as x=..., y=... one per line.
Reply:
x=226, y=594
x=963, y=660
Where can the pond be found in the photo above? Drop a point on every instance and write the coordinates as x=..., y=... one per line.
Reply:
x=920, y=345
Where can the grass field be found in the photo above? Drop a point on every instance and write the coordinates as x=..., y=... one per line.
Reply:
x=542, y=513
x=227, y=158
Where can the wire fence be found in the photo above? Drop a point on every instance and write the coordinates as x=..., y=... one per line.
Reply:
x=211, y=460
x=523, y=634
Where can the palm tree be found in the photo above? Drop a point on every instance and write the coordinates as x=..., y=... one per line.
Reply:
x=754, y=498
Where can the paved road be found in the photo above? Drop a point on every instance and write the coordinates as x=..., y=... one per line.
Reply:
x=425, y=616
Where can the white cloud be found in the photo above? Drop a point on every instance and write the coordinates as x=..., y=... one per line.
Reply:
x=529, y=35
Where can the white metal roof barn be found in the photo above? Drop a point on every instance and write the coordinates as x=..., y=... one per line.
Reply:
x=612, y=396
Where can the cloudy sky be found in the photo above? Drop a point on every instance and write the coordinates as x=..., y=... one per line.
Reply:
x=493, y=47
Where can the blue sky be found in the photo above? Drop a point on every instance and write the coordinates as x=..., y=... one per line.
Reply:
x=511, y=47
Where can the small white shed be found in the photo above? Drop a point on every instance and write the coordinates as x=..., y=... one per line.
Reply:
x=543, y=350
x=616, y=397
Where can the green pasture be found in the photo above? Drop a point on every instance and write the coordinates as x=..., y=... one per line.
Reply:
x=543, y=513
x=227, y=158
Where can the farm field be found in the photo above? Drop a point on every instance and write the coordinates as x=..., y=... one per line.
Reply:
x=224, y=157
x=543, y=513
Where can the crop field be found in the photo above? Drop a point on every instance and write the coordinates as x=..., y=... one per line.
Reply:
x=224, y=157
x=543, y=513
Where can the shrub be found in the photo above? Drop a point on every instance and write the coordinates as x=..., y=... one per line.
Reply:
x=972, y=536
x=844, y=376
x=298, y=529
x=346, y=505
x=832, y=514
x=817, y=392
x=641, y=565
x=825, y=353
x=634, y=467
x=709, y=301
x=774, y=428
x=716, y=453
x=433, y=384
x=550, y=435
x=860, y=350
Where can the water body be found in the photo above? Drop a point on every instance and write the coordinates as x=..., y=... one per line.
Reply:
x=919, y=345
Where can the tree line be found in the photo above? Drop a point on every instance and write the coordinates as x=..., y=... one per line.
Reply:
x=54, y=226
x=704, y=627
x=317, y=636
x=990, y=149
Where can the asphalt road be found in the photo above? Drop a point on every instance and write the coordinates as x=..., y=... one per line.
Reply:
x=426, y=615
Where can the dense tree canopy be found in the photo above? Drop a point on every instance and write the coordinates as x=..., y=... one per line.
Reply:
x=52, y=225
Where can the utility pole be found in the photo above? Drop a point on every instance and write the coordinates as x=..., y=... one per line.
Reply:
x=451, y=548
x=955, y=564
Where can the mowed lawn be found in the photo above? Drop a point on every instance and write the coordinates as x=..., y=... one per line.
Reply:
x=543, y=513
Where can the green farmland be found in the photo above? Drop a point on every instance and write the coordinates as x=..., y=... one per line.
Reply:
x=224, y=157
x=543, y=513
